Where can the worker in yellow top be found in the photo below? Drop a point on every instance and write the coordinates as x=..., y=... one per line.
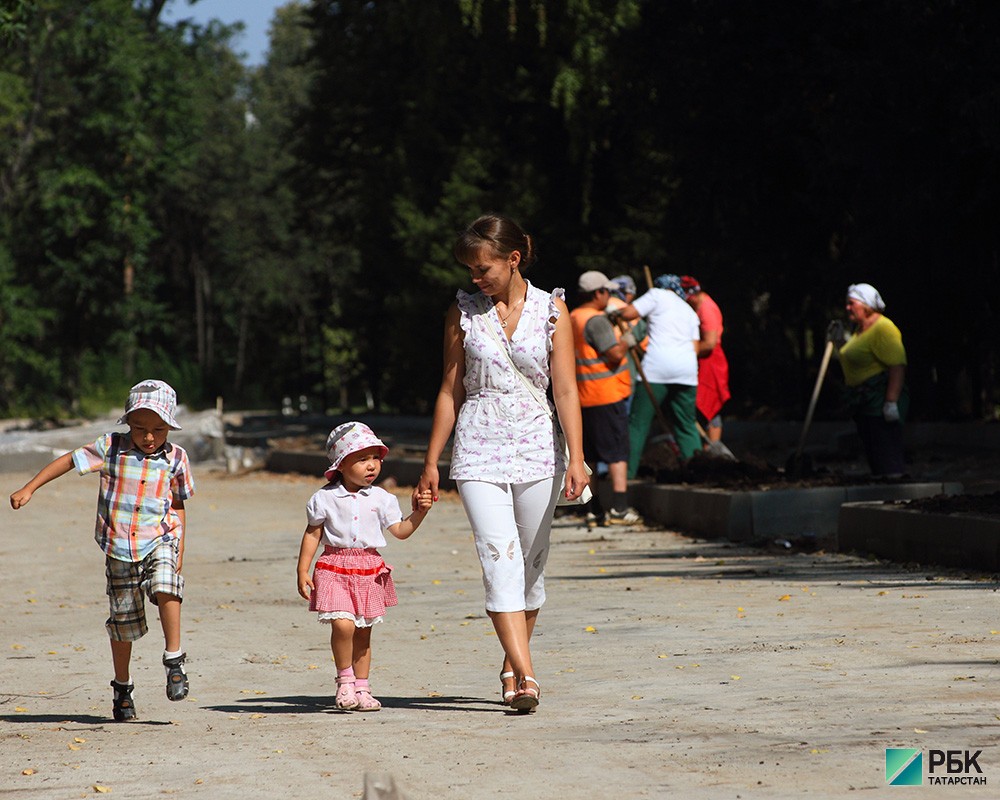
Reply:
x=874, y=363
x=604, y=386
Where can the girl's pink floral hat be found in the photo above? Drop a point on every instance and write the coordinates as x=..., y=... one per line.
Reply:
x=350, y=438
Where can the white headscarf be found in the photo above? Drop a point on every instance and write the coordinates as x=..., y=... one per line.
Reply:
x=867, y=294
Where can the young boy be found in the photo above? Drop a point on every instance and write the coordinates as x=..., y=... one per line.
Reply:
x=140, y=526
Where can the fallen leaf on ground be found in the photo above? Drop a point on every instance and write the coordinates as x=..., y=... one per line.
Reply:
x=784, y=597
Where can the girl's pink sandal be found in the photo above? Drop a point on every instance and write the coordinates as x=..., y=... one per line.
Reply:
x=347, y=698
x=366, y=702
x=364, y=694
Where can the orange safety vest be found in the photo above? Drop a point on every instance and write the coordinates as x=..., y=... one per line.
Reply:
x=597, y=384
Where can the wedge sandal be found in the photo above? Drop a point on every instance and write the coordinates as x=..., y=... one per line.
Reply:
x=527, y=696
x=507, y=694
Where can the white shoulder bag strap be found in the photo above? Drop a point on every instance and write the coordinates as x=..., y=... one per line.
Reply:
x=583, y=498
x=524, y=378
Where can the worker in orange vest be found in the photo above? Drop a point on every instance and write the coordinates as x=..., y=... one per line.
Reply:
x=604, y=386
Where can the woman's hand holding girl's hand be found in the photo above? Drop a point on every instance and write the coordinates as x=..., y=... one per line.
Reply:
x=428, y=483
x=305, y=585
x=423, y=500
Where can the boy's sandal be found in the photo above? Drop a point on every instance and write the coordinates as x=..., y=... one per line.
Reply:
x=527, y=696
x=508, y=694
x=177, y=680
x=366, y=702
x=346, y=698
x=124, y=708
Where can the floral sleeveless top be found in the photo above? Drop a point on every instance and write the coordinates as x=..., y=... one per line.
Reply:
x=502, y=432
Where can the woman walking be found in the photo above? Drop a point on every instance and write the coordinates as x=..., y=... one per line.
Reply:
x=503, y=346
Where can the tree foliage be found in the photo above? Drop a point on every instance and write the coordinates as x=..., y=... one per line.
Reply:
x=286, y=229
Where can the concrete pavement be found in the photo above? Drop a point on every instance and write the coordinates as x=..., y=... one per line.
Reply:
x=669, y=667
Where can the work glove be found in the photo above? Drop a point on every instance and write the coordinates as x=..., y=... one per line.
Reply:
x=835, y=333
x=890, y=411
x=629, y=338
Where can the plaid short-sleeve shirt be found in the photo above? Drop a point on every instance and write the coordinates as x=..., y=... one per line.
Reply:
x=134, y=504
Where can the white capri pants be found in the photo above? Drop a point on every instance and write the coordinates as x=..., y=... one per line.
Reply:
x=511, y=523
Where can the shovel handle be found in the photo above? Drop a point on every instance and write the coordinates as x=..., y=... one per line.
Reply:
x=827, y=352
x=637, y=358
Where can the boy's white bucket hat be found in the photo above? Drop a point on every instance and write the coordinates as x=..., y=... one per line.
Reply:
x=350, y=438
x=155, y=395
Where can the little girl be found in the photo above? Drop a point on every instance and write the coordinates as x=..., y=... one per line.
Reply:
x=351, y=585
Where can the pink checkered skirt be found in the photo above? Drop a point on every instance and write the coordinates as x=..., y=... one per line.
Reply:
x=354, y=581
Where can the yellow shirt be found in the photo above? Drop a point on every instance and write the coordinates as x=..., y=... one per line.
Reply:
x=868, y=353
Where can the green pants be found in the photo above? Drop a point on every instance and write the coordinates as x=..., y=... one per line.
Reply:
x=677, y=402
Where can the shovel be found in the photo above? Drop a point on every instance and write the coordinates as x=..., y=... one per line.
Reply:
x=795, y=465
x=716, y=449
